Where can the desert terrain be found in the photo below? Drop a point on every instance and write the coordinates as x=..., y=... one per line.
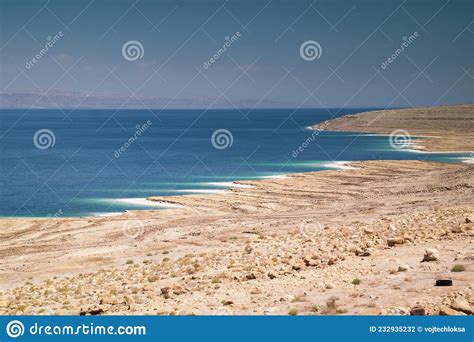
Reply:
x=371, y=239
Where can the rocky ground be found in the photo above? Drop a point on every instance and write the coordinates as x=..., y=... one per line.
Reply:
x=368, y=241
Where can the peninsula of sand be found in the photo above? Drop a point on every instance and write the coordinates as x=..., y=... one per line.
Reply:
x=381, y=237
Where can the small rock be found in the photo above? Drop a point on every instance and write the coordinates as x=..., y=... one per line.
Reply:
x=109, y=300
x=331, y=261
x=460, y=304
x=395, y=241
x=468, y=220
x=227, y=302
x=417, y=311
x=310, y=261
x=363, y=252
x=445, y=311
x=129, y=300
x=178, y=290
x=165, y=291
x=430, y=255
x=271, y=276
x=296, y=267
x=250, y=276
x=91, y=311
x=256, y=291
x=403, y=268
x=368, y=231
x=456, y=230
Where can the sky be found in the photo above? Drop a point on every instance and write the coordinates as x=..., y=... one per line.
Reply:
x=262, y=66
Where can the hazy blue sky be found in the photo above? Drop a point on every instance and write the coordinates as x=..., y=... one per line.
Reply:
x=178, y=37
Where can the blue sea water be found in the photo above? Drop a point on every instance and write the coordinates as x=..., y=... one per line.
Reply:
x=100, y=156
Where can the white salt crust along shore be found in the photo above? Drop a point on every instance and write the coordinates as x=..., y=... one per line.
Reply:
x=341, y=165
x=147, y=202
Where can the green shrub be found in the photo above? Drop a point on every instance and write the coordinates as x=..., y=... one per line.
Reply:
x=458, y=268
x=292, y=312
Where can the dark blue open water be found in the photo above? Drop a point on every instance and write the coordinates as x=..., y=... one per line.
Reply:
x=83, y=175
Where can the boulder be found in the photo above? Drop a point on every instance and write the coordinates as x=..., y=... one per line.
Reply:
x=430, y=255
x=417, y=311
x=395, y=241
x=445, y=311
x=460, y=304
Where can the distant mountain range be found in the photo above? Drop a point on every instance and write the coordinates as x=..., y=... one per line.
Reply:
x=99, y=101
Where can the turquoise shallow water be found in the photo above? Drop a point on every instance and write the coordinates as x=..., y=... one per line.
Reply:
x=85, y=171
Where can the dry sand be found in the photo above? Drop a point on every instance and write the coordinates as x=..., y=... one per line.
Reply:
x=330, y=242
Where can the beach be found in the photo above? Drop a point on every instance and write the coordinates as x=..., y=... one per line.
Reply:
x=369, y=237
x=441, y=129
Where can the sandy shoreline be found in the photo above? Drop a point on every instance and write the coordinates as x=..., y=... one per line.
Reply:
x=265, y=247
x=444, y=128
